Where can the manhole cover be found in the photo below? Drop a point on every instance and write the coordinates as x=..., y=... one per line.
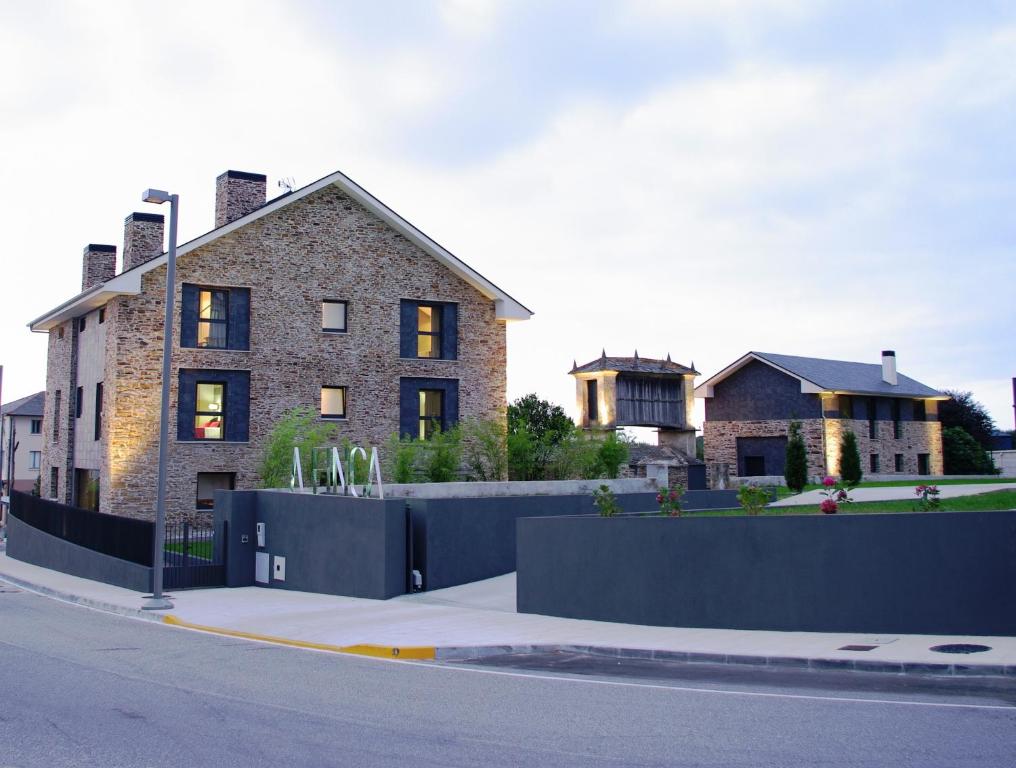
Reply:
x=960, y=648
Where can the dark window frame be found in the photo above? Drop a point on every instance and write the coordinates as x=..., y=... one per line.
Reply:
x=920, y=410
x=345, y=403
x=102, y=315
x=54, y=482
x=897, y=418
x=223, y=321
x=898, y=462
x=198, y=505
x=846, y=406
x=82, y=324
x=872, y=418
x=874, y=463
x=98, y=411
x=592, y=400
x=221, y=413
x=423, y=432
x=35, y=427
x=79, y=406
x=345, y=316
x=436, y=313
x=57, y=397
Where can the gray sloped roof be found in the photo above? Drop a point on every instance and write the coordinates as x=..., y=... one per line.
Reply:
x=26, y=406
x=844, y=376
x=634, y=364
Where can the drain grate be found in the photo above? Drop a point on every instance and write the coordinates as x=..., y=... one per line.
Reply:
x=857, y=648
x=960, y=648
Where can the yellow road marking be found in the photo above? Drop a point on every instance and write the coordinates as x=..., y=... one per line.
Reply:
x=417, y=653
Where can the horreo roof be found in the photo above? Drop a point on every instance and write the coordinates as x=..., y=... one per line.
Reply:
x=129, y=282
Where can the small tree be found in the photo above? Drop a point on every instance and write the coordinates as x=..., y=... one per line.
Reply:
x=850, y=459
x=484, y=449
x=961, y=410
x=298, y=428
x=401, y=458
x=521, y=455
x=612, y=453
x=796, y=468
x=444, y=452
x=962, y=455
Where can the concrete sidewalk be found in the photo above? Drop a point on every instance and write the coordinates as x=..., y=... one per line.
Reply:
x=893, y=493
x=480, y=619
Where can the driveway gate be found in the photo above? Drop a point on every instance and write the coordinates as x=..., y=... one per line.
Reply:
x=192, y=557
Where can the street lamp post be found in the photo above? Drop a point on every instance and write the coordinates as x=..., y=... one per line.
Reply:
x=158, y=601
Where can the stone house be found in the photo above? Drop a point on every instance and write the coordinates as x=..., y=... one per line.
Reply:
x=322, y=297
x=749, y=406
x=21, y=433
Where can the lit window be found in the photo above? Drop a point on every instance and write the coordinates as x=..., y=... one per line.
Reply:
x=209, y=412
x=333, y=316
x=431, y=410
x=209, y=483
x=212, y=314
x=333, y=402
x=428, y=331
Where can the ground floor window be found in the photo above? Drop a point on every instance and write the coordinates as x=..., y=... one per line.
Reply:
x=34, y=459
x=924, y=464
x=427, y=405
x=333, y=402
x=874, y=462
x=209, y=483
x=214, y=405
x=431, y=412
x=898, y=462
x=86, y=482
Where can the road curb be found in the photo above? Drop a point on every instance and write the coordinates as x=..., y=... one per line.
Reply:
x=87, y=602
x=471, y=653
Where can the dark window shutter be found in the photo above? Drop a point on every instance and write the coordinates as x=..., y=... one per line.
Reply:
x=189, y=316
x=239, y=319
x=409, y=407
x=450, y=332
x=407, y=329
x=237, y=405
x=186, y=405
x=451, y=403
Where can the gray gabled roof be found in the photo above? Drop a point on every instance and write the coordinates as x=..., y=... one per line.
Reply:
x=27, y=406
x=829, y=376
x=634, y=364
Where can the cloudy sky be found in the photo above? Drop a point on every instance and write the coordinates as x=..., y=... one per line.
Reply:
x=695, y=177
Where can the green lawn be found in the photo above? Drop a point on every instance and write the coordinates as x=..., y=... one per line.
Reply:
x=197, y=548
x=782, y=492
x=982, y=501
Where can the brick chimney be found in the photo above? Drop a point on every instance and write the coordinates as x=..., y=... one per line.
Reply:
x=237, y=193
x=142, y=238
x=889, y=367
x=98, y=264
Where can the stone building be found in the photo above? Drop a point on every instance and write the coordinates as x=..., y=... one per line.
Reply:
x=612, y=392
x=749, y=406
x=21, y=432
x=322, y=297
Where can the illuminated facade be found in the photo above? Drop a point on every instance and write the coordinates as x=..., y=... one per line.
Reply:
x=750, y=404
x=322, y=298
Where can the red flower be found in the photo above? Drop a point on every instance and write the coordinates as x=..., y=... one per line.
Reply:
x=842, y=495
x=673, y=495
x=659, y=498
x=828, y=507
x=828, y=482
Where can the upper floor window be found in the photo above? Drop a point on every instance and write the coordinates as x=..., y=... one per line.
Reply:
x=592, y=401
x=897, y=416
x=98, y=410
x=210, y=411
x=215, y=318
x=57, y=396
x=34, y=459
x=920, y=410
x=79, y=402
x=102, y=315
x=333, y=402
x=81, y=324
x=36, y=427
x=846, y=407
x=333, y=316
x=429, y=330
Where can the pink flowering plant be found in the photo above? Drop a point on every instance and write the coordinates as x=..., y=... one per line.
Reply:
x=835, y=493
x=669, y=499
x=927, y=497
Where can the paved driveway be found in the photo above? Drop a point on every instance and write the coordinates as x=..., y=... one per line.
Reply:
x=905, y=492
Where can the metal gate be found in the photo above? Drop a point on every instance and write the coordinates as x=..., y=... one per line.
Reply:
x=194, y=556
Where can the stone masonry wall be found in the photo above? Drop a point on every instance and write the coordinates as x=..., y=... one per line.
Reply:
x=58, y=377
x=720, y=439
x=323, y=247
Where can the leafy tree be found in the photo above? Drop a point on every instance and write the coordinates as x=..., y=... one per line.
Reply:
x=544, y=421
x=850, y=459
x=963, y=455
x=300, y=428
x=961, y=410
x=612, y=453
x=485, y=449
x=795, y=471
x=521, y=455
x=536, y=430
x=573, y=457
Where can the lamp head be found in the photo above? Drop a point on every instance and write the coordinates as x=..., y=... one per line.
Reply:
x=156, y=196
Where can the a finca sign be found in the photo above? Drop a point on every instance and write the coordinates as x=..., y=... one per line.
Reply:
x=336, y=477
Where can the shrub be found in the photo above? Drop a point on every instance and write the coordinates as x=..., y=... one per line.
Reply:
x=669, y=500
x=850, y=460
x=576, y=456
x=521, y=455
x=796, y=468
x=927, y=498
x=752, y=498
x=401, y=459
x=484, y=449
x=443, y=454
x=835, y=494
x=536, y=428
x=605, y=501
x=963, y=455
x=612, y=453
x=301, y=428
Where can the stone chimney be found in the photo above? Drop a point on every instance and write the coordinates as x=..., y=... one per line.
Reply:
x=237, y=193
x=889, y=367
x=142, y=238
x=98, y=265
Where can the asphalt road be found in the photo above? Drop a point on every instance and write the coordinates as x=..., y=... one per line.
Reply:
x=82, y=688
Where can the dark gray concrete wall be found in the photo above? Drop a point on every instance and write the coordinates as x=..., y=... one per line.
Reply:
x=456, y=541
x=332, y=544
x=30, y=545
x=925, y=573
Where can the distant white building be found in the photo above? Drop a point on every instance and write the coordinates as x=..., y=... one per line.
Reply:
x=21, y=442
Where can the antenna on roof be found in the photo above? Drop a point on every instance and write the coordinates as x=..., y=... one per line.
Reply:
x=287, y=183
